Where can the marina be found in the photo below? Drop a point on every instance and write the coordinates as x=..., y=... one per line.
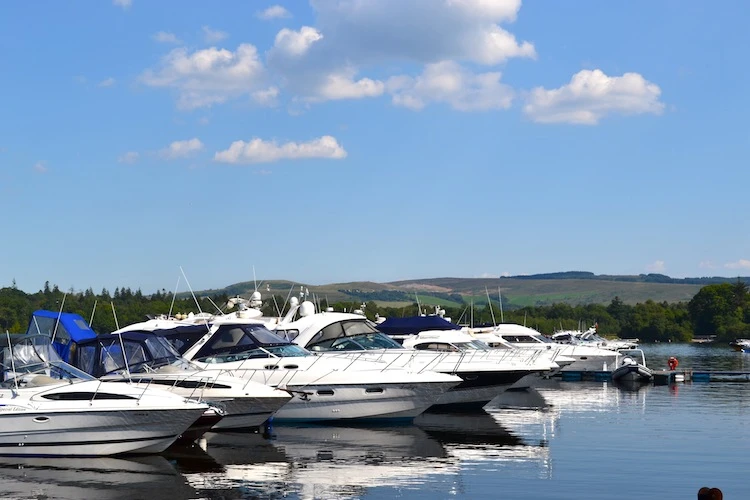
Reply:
x=552, y=442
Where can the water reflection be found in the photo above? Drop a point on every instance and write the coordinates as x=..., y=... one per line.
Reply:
x=102, y=478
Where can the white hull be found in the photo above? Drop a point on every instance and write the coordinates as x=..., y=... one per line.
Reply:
x=92, y=432
x=353, y=402
x=244, y=413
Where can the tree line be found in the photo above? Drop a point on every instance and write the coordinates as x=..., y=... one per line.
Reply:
x=718, y=309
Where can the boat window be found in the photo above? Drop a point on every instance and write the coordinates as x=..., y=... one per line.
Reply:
x=159, y=348
x=288, y=334
x=263, y=335
x=352, y=328
x=526, y=339
x=436, y=346
x=85, y=396
x=86, y=358
x=330, y=332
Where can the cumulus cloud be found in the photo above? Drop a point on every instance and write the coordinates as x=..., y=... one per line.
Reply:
x=740, y=264
x=351, y=36
x=165, y=37
x=657, y=266
x=449, y=83
x=40, y=167
x=213, y=36
x=295, y=43
x=107, y=82
x=129, y=157
x=488, y=275
x=706, y=264
x=592, y=95
x=182, y=149
x=125, y=4
x=422, y=30
x=273, y=12
x=259, y=151
x=209, y=76
x=344, y=86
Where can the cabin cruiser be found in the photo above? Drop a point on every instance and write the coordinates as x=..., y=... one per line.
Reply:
x=324, y=388
x=591, y=337
x=150, y=361
x=485, y=373
x=50, y=408
x=585, y=357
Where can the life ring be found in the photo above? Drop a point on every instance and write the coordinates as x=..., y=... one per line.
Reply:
x=672, y=362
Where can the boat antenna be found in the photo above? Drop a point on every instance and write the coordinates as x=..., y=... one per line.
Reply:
x=214, y=304
x=93, y=310
x=57, y=322
x=524, y=318
x=489, y=304
x=419, y=307
x=12, y=361
x=122, y=344
x=191, y=291
x=500, y=297
x=471, y=321
x=174, y=296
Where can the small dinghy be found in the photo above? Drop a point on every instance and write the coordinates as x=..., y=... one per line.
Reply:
x=632, y=367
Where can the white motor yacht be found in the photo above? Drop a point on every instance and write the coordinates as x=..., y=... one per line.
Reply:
x=49, y=408
x=485, y=373
x=585, y=357
x=592, y=338
x=323, y=388
x=150, y=360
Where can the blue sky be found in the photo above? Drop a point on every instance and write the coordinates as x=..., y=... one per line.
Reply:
x=378, y=140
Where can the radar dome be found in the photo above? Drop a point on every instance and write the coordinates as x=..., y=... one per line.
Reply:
x=307, y=308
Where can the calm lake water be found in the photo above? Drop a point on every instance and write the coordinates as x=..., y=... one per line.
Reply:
x=591, y=440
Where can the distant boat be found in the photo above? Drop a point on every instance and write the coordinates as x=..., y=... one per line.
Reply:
x=632, y=367
x=740, y=345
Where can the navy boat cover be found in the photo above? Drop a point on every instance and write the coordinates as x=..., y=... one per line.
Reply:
x=412, y=325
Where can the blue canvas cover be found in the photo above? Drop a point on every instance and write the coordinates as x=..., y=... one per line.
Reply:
x=412, y=325
x=70, y=327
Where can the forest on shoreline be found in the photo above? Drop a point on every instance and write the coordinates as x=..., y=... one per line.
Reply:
x=717, y=309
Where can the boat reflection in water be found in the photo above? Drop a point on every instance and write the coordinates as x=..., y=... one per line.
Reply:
x=316, y=461
x=101, y=478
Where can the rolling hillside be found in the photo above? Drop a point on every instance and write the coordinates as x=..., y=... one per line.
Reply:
x=518, y=291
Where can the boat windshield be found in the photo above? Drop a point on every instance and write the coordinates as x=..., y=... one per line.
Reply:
x=246, y=341
x=360, y=342
x=31, y=357
x=140, y=356
x=472, y=345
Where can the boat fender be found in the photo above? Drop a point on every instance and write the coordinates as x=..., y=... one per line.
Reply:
x=672, y=362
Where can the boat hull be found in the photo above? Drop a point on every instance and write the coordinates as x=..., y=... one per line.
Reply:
x=632, y=373
x=360, y=402
x=91, y=432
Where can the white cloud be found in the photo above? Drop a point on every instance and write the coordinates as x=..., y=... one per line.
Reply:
x=40, y=167
x=423, y=31
x=295, y=43
x=706, y=264
x=273, y=12
x=182, y=149
x=260, y=151
x=125, y=4
x=213, y=36
x=209, y=76
x=343, y=86
x=591, y=95
x=449, y=83
x=740, y=264
x=107, y=82
x=657, y=266
x=165, y=37
x=266, y=97
x=505, y=274
x=129, y=157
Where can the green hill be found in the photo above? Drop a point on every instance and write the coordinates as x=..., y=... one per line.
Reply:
x=574, y=287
